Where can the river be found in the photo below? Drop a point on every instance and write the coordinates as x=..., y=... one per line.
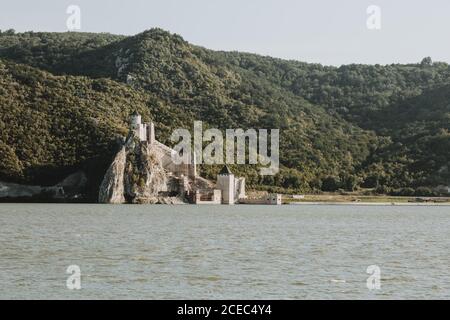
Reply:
x=224, y=252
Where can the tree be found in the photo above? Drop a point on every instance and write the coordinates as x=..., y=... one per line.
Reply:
x=330, y=184
x=9, y=32
x=9, y=165
x=426, y=62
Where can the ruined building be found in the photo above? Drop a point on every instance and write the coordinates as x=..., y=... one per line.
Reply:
x=143, y=171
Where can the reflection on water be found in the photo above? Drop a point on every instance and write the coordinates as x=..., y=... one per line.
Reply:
x=220, y=252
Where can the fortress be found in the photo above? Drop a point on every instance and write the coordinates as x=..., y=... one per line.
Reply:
x=143, y=171
x=228, y=189
x=145, y=133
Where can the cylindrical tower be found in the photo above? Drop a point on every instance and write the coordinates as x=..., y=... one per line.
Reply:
x=135, y=120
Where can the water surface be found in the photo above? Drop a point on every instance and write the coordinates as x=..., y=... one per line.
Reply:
x=222, y=252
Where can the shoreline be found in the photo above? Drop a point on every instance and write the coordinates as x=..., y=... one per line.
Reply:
x=323, y=199
x=304, y=203
x=344, y=203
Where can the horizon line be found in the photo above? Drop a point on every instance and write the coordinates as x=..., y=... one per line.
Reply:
x=224, y=50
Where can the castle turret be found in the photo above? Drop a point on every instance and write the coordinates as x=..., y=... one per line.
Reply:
x=136, y=120
x=151, y=133
x=140, y=129
x=226, y=183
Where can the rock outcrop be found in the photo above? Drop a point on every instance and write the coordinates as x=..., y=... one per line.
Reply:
x=112, y=186
x=137, y=175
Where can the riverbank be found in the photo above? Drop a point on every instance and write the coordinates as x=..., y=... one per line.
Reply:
x=370, y=203
x=314, y=199
x=355, y=199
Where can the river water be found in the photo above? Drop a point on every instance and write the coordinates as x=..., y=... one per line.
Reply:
x=222, y=252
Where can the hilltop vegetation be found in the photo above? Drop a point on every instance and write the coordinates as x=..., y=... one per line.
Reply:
x=384, y=127
x=50, y=126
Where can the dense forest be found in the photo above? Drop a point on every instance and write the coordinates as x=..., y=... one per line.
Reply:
x=65, y=99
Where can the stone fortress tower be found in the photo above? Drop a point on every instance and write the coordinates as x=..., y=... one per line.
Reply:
x=225, y=183
x=233, y=188
x=144, y=131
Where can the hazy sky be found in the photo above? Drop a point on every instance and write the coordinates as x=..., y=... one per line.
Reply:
x=325, y=31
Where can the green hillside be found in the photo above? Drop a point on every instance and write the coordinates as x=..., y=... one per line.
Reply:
x=50, y=126
x=419, y=154
x=340, y=127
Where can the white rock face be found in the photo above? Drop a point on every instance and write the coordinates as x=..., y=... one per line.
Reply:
x=137, y=175
x=145, y=176
x=112, y=186
x=122, y=62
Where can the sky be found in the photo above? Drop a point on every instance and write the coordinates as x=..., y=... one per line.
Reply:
x=331, y=32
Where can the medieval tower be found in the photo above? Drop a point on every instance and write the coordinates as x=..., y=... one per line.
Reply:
x=226, y=183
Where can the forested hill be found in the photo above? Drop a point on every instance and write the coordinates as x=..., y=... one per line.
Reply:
x=382, y=127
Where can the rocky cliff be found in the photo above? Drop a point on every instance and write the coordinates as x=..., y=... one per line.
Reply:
x=137, y=175
x=112, y=187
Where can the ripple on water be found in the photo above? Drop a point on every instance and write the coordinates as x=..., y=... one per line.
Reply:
x=253, y=252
